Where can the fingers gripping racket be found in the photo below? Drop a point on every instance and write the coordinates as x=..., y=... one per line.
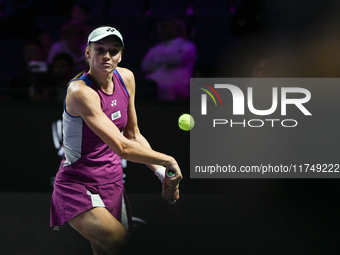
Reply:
x=173, y=210
x=171, y=173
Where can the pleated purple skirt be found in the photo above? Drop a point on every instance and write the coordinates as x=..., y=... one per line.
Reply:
x=69, y=199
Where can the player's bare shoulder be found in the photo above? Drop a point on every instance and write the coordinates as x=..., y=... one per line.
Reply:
x=125, y=73
x=78, y=96
x=78, y=89
x=128, y=78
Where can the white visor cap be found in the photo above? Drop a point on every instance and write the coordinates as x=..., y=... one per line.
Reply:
x=102, y=32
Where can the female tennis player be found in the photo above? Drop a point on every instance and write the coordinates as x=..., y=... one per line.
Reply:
x=100, y=127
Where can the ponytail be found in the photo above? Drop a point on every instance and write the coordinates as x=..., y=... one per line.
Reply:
x=78, y=75
x=75, y=77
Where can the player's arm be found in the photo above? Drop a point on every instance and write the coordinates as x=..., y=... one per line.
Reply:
x=131, y=130
x=133, y=133
x=83, y=101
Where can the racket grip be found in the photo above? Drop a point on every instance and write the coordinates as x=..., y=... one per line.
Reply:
x=171, y=173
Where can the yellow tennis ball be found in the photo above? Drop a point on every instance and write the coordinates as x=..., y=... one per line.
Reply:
x=186, y=122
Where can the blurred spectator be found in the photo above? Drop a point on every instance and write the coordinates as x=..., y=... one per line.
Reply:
x=45, y=41
x=72, y=42
x=62, y=71
x=80, y=15
x=33, y=77
x=171, y=62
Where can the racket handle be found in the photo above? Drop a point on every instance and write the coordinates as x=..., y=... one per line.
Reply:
x=171, y=173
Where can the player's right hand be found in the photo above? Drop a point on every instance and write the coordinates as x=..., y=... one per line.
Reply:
x=170, y=190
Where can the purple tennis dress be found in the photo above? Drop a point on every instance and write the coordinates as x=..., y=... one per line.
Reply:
x=90, y=174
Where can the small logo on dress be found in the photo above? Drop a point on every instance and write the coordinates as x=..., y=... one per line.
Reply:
x=116, y=115
x=114, y=102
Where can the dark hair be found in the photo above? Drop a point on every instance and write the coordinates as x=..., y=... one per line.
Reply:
x=78, y=75
x=70, y=30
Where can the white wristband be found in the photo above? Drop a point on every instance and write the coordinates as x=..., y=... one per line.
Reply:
x=160, y=173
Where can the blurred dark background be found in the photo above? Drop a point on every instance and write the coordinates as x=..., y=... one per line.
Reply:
x=234, y=38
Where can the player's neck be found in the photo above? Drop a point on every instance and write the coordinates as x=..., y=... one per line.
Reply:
x=103, y=81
